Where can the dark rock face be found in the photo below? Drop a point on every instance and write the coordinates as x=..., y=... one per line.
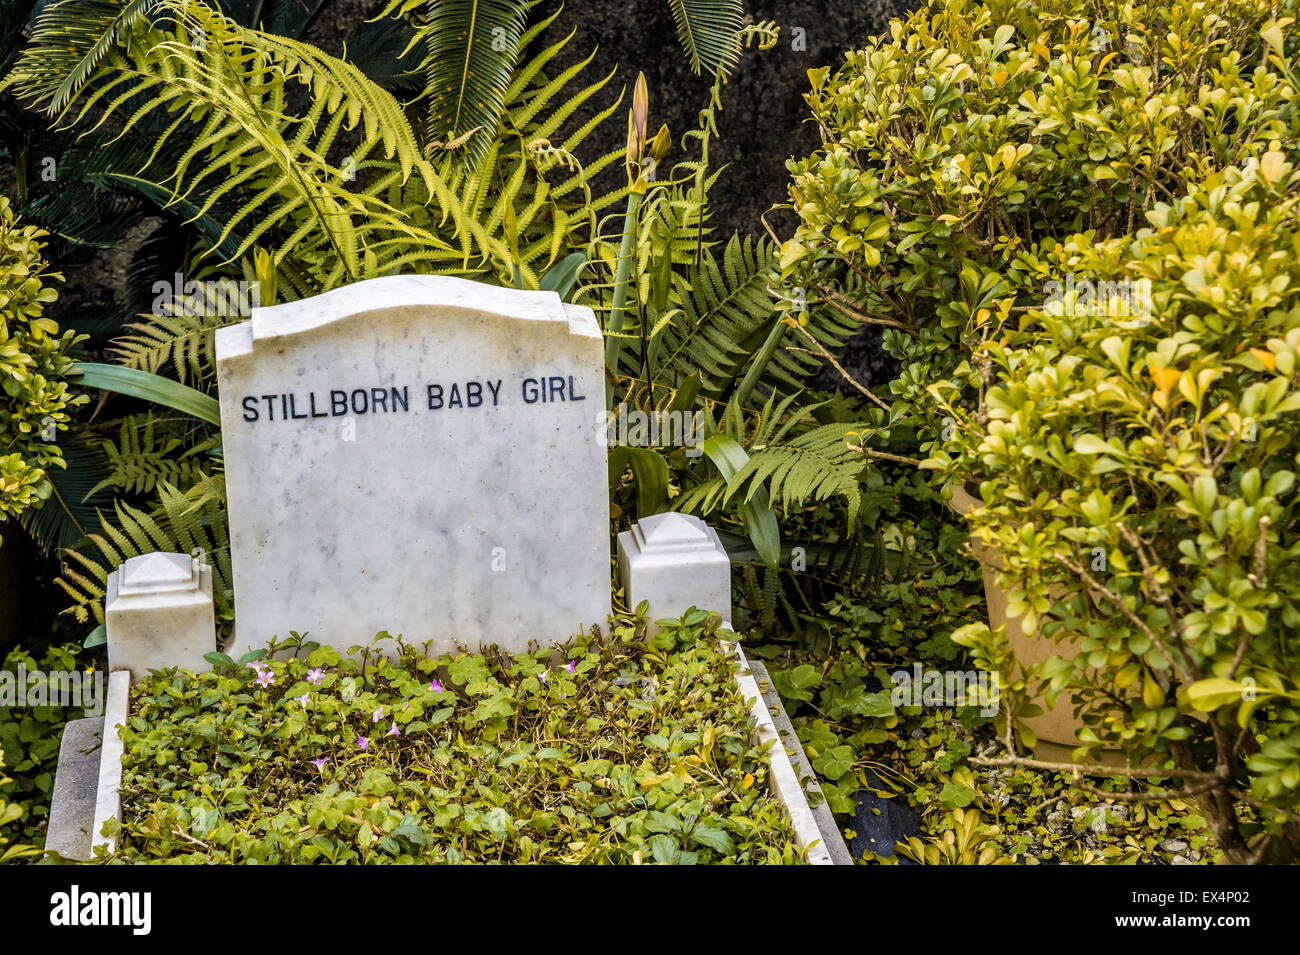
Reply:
x=763, y=121
x=878, y=833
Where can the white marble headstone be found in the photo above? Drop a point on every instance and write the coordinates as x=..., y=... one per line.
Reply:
x=416, y=454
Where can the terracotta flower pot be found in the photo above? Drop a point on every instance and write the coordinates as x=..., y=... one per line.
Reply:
x=1057, y=726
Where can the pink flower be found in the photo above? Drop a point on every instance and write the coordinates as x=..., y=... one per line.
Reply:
x=572, y=667
x=304, y=699
x=363, y=743
x=315, y=676
x=436, y=686
x=542, y=676
x=394, y=731
x=320, y=763
x=377, y=715
x=265, y=678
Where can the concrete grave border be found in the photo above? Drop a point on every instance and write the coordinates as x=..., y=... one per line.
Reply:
x=823, y=842
x=673, y=558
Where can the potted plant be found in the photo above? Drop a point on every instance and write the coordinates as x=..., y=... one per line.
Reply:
x=972, y=158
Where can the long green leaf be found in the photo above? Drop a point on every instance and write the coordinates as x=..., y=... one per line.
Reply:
x=649, y=470
x=563, y=275
x=155, y=388
x=760, y=520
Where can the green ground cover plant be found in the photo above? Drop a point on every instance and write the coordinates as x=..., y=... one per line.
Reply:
x=30, y=738
x=10, y=813
x=603, y=751
x=834, y=680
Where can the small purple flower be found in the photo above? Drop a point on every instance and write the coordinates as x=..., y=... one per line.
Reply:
x=320, y=763
x=315, y=676
x=394, y=731
x=542, y=676
x=265, y=678
x=572, y=667
x=304, y=699
x=363, y=743
x=436, y=686
x=377, y=715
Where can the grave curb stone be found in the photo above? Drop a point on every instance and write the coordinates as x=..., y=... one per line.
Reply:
x=789, y=740
x=76, y=788
x=676, y=561
x=108, y=802
x=785, y=781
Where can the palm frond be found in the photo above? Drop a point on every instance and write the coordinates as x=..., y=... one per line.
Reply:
x=291, y=18
x=70, y=512
x=382, y=50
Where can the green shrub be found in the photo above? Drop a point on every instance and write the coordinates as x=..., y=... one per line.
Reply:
x=9, y=814
x=967, y=146
x=30, y=737
x=33, y=359
x=1079, y=222
x=615, y=756
x=1139, y=478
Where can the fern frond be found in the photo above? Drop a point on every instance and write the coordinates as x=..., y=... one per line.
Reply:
x=726, y=314
x=139, y=460
x=180, y=333
x=70, y=39
x=229, y=93
x=469, y=49
x=709, y=31
x=521, y=179
x=817, y=465
x=190, y=522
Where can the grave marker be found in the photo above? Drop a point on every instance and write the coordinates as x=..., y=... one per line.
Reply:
x=416, y=454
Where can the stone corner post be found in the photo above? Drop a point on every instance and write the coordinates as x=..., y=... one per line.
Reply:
x=675, y=561
x=158, y=613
